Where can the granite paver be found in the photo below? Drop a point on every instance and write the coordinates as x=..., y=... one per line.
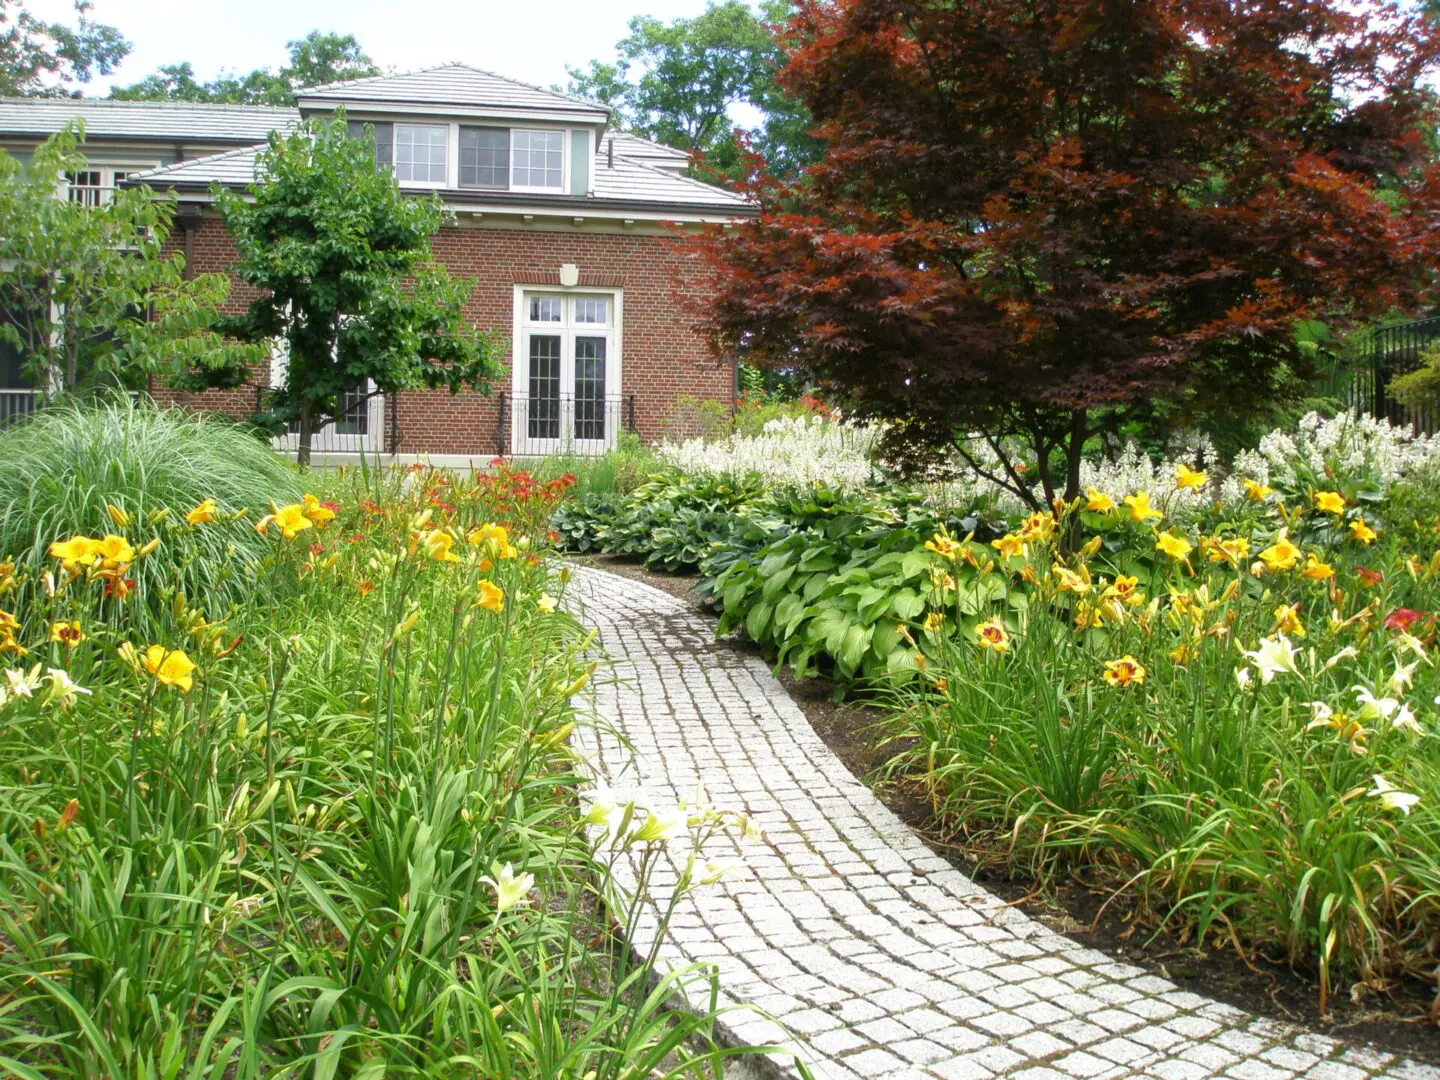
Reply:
x=872, y=956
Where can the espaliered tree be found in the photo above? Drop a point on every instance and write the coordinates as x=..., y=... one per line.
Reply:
x=348, y=285
x=1033, y=218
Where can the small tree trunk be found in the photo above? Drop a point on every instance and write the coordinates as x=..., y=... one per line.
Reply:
x=307, y=434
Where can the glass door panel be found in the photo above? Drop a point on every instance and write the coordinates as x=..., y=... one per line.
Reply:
x=544, y=397
x=590, y=388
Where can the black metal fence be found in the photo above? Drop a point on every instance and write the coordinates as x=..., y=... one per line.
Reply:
x=17, y=403
x=1388, y=352
x=358, y=427
x=562, y=423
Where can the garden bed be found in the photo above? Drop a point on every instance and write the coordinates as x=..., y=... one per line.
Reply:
x=854, y=728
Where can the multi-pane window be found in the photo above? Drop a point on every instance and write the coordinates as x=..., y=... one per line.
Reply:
x=420, y=153
x=537, y=159
x=547, y=308
x=484, y=157
x=96, y=186
x=592, y=310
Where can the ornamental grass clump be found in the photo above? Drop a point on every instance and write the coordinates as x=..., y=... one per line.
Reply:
x=336, y=833
x=113, y=471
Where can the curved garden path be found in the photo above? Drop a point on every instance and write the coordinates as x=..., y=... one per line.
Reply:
x=877, y=957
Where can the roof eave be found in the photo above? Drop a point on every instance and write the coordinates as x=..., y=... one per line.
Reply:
x=576, y=205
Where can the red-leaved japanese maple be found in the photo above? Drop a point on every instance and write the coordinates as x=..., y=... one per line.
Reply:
x=1035, y=215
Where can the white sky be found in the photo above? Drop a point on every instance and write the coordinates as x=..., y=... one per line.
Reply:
x=530, y=40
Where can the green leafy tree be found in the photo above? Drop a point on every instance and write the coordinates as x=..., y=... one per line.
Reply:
x=46, y=59
x=680, y=83
x=315, y=59
x=88, y=294
x=346, y=277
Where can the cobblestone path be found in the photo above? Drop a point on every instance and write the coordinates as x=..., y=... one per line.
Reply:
x=877, y=957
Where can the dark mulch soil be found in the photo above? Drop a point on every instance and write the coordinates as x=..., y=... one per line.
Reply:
x=1400, y=1022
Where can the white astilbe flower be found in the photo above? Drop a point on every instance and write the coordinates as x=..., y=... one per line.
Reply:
x=791, y=452
x=1343, y=449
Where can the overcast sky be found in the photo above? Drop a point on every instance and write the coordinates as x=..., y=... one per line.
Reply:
x=530, y=40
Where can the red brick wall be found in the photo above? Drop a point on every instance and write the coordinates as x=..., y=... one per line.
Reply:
x=661, y=356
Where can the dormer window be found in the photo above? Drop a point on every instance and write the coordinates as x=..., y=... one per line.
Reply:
x=474, y=156
x=484, y=157
x=420, y=153
x=539, y=159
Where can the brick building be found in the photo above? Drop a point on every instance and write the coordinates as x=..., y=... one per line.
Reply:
x=566, y=230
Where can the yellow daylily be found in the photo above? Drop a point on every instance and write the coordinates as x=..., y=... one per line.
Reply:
x=1316, y=570
x=203, y=513
x=1287, y=620
x=69, y=633
x=491, y=598
x=171, y=667
x=1361, y=532
x=1257, y=492
x=316, y=511
x=546, y=603
x=942, y=545
x=436, y=546
x=1127, y=671
x=933, y=622
x=1177, y=547
x=992, y=635
x=290, y=520
x=76, y=552
x=1098, y=502
x=1009, y=546
x=1331, y=502
x=1188, y=478
x=1231, y=551
x=1140, y=508
x=1281, y=555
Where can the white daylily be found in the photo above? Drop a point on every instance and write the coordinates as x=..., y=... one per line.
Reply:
x=23, y=683
x=1344, y=654
x=510, y=889
x=1320, y=714
x=1391, y=797
x=63, y=690
x=1408, y=641
x=1405, y=721
x=1369, y=707
x=1402, y=677
x=1272, y=656
x=714, y=871
x=660, y=826
x=1242, y=678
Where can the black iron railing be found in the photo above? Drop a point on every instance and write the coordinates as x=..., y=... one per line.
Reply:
x=17, y=403
x=1388, y=352
x=355, y=428
x=530, y=426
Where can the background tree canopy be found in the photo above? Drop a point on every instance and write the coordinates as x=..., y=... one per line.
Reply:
x=47, y=59
x=1034, y=219
x=679, y=84
x=315, y=59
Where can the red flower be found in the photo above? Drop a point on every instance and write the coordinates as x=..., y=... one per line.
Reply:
x=1370, y=577
x=1402, y=618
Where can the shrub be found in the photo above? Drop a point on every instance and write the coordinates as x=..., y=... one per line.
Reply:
x=63, y=470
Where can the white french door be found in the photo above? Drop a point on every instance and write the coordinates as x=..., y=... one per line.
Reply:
x=566, y=373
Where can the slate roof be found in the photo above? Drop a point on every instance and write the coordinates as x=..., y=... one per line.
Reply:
x=633, y=146
x=629, y=182
x=157, y=121
x=456, y=86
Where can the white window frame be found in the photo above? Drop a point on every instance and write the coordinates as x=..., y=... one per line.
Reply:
x=567, y=329
x=450, y=167
x=564, y=188
x=108, y=182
